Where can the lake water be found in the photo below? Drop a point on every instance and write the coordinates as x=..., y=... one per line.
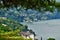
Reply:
x=46, y=29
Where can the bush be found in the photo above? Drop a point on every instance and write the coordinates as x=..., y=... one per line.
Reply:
x=51, y=39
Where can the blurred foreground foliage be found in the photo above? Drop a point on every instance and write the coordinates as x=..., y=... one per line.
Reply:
x=34, y=4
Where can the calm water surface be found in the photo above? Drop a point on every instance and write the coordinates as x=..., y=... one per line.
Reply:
x=46, y=29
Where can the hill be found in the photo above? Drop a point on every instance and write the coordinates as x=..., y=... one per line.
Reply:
x=9, y=29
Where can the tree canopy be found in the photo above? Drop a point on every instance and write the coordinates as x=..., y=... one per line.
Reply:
x=51, y=39
x=28, y=3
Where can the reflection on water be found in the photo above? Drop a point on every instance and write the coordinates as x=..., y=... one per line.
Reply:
x=46, y=29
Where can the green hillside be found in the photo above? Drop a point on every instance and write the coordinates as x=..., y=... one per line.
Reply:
x=9, y=29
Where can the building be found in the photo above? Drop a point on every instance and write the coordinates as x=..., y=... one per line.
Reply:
x=28, y=35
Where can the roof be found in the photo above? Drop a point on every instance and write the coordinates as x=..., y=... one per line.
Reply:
x=25, y=33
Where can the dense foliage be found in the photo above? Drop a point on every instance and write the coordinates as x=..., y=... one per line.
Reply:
x=10, y=23
x=34, y=4
x=22, y=15
x=51, y=39
x=9, y=29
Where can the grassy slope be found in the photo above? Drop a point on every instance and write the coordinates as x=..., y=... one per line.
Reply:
x=8, y=33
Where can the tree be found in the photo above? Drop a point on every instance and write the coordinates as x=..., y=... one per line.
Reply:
x=51, y=39
x=41, y=38
x=34, y=4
